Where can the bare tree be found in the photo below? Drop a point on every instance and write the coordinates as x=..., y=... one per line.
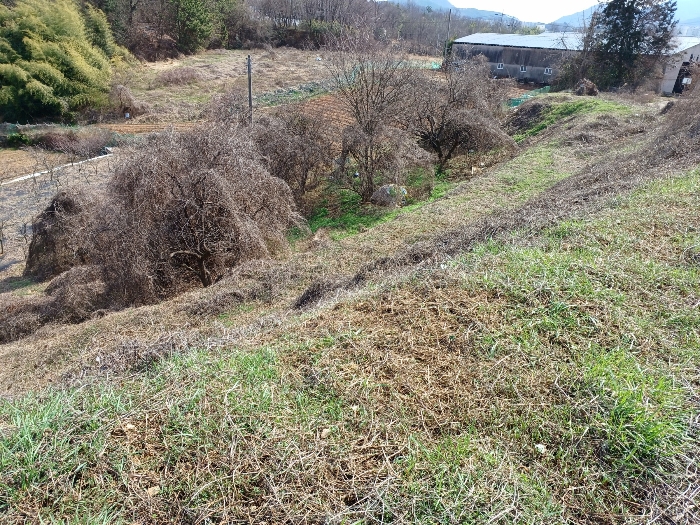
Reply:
x=372, y=81
x=295, y=147
x=370, y=160
x=456, y=110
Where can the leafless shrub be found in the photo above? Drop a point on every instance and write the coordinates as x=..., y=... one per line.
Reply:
x=369, y=160
x=230, y=108
x=296, y=148
x=56, y=245
x=457, y=110
x=371, y=78
x=124, y=101
x=83, y=144
x=178, y=76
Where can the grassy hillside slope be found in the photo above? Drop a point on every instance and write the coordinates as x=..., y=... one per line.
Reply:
x=524, y=349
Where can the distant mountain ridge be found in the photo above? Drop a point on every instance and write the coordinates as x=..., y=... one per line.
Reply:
x=469, y=12
x=687, y=12
x=572, y=21
x=692, y=21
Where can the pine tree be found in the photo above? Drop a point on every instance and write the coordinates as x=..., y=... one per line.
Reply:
x=192, y=24
x=632, y=35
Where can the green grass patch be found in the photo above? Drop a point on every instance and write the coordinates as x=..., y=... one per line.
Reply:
x=559, y=111
x=640, y=413
x=349, y=215
x=102, y=448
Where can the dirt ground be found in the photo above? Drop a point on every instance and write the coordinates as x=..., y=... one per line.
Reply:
x=17, y=162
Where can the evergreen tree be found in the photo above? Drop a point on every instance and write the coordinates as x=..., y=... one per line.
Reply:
x=51, y=61
x=192, y=24
x=630, y=36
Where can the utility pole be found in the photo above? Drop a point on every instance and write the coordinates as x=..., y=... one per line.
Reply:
x=250, y=91
x=449, y=19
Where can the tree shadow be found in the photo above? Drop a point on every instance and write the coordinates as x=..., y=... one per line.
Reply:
x=15, y=282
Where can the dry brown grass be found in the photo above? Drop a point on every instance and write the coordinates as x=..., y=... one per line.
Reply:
x=423, y=395
x=216, y=72
x=18, y=162
x=322, y=259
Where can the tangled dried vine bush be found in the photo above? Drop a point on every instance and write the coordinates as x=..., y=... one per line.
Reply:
x=295, y=147
x=457, y=110
x=229, y=108
x=56, y=246
x=187, y=206
x=178, y=211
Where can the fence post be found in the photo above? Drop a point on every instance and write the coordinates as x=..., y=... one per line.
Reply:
x=250, y=91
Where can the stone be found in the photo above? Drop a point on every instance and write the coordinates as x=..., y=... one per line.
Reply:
x=389, y=195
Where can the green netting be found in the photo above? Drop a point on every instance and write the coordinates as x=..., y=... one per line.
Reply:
x=515, y=102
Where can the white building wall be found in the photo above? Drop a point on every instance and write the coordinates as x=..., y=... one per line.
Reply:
x=674, y=66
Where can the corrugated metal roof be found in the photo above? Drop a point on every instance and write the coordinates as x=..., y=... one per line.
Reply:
x=541, y=41
x=568, y=40
x=685, y=42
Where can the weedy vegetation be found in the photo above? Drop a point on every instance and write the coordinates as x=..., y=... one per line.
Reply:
x=519, y=345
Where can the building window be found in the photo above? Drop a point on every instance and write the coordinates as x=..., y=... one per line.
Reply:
x=499, y=66
x=548, y=71
x=523, y=69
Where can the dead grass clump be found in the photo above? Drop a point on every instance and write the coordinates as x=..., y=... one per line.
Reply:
x=20, y=316
x=525, y=116
x=76, y=294
x=257, y=280
x=219, y=302
x=83, y=144
x=178, y=76
x=124, y=101
x=318, y=290
x=56, y=245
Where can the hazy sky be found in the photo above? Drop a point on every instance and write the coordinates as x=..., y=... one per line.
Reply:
x=530, y=10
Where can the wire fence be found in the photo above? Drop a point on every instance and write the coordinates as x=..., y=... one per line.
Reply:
x=515, y=102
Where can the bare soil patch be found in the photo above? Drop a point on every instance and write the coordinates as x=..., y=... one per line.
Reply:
x=18, y=162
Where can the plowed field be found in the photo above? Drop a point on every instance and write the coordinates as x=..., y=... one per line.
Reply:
x=139, y=128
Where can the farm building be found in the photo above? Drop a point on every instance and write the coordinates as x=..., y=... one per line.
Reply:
x=534, y=58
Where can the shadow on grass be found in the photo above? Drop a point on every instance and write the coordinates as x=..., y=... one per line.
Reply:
x=14, y=283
